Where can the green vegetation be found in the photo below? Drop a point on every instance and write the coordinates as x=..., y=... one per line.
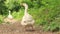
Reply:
x=45, y=12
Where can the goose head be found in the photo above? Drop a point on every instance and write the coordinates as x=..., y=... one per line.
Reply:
x=25, y=5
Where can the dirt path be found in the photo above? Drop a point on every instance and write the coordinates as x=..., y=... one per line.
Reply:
x=16, y=28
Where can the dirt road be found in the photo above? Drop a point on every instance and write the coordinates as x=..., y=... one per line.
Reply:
x=16, y=28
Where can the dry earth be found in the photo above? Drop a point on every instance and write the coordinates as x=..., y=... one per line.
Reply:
x=16, y=28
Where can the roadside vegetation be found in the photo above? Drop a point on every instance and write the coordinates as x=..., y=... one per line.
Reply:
x=46, y=13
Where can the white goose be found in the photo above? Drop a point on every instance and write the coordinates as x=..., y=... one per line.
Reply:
x=9, y=19
x=10, y=16
x=27, y=19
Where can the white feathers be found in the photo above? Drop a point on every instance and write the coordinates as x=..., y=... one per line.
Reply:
x=10, y=16
x=27, y=18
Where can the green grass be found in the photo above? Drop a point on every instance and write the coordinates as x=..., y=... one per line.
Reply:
x=1, y=19
x=18, y=15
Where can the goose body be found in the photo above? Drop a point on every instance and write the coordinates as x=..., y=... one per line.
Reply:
x=27, y=19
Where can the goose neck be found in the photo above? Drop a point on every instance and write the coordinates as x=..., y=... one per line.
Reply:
x=26, y=8
x=9, y=13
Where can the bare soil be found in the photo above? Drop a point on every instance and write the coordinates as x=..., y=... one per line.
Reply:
x=16, y=28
